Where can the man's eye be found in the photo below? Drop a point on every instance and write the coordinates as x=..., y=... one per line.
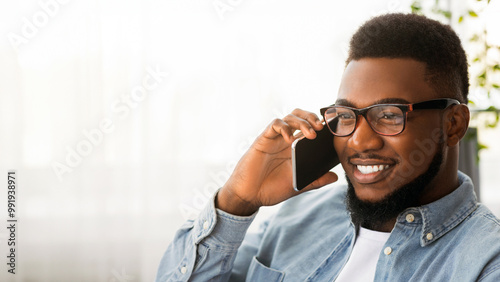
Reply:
x=345, y=116
x=389, y=116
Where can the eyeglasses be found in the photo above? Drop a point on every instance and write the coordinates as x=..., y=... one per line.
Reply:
x=385, y=119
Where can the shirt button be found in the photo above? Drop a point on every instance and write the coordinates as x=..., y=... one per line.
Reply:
x=388, y=251
x=410, y=217
x=184, y=270
x=205, y=225
x=429, y=236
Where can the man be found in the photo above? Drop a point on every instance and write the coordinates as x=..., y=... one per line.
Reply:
x=407, y=214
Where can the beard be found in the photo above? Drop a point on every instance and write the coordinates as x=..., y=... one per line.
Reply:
x=373, y=215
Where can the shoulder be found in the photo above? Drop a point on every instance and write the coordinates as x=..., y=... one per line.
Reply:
x=481, y=234
x=483, y=217
x=489, y=229
x=481, y=229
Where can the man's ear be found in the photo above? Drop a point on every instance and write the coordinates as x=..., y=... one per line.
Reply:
x=457, y=122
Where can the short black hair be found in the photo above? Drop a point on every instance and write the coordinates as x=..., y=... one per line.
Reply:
x=419, y=38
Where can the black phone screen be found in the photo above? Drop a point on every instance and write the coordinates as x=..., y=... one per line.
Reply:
x=313, y=158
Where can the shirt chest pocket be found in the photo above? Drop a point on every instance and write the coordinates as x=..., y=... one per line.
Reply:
x=259, y=272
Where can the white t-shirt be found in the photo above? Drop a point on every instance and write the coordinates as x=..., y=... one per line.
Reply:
x=362, y=263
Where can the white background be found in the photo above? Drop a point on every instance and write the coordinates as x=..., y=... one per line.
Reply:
x=111, y=206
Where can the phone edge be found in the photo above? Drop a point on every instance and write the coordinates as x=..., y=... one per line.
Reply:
x=294, y=172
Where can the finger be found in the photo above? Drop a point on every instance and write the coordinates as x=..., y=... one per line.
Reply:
x=279, y=127
x=304, y=126
x=312, y=118
x=325, y=179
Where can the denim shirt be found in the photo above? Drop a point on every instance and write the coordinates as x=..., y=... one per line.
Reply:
x=311, y=237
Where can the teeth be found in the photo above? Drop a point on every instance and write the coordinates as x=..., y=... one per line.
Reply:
x=369, y=169
x=366, y=169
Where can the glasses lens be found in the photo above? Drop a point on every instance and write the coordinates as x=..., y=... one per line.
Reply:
x=341, y=121
x=388, y=120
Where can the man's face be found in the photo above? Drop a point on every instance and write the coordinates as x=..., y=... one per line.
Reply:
x=402, y=158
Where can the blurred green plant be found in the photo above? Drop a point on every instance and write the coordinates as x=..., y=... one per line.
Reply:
x=486, y=68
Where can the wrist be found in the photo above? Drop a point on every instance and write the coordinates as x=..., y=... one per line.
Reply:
x=227, y=201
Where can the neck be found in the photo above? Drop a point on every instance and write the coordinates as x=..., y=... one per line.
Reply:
x=445, y=182
x=381, y=227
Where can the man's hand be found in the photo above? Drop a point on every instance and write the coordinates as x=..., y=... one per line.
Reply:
x=263, y=176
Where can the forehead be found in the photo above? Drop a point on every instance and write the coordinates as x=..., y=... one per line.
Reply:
x=370, y=80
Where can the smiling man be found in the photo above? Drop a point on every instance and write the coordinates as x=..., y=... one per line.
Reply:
x=386, y=171
x=407, y=213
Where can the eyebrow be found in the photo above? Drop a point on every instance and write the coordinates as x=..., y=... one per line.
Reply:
x=347, y=103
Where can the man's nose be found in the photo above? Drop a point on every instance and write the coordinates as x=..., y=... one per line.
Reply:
x=364, y=138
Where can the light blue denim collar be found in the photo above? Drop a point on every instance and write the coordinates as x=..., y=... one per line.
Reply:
x=441, y=216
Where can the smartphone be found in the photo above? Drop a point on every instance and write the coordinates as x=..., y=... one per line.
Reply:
x=313, y=158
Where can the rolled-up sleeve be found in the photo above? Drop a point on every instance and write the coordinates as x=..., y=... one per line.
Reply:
x=204, y=249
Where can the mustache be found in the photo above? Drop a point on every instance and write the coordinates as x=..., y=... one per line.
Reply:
x=371, y=156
